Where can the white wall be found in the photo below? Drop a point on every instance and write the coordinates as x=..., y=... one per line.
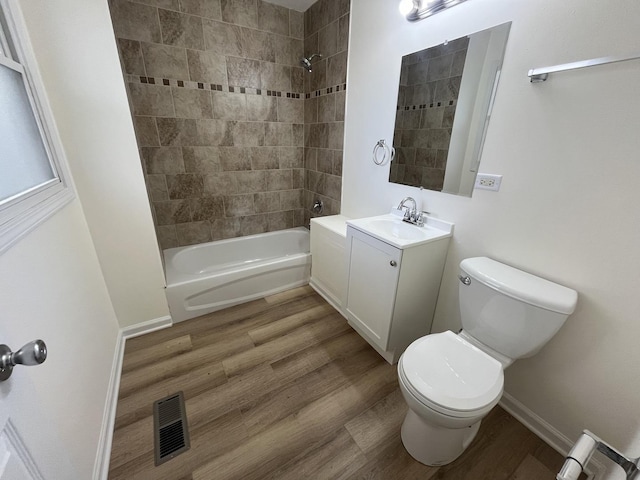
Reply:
x=51, y=287
x=75, y=48
x=568, y=207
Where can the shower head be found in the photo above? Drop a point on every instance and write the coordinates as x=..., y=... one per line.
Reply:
x=306, y=61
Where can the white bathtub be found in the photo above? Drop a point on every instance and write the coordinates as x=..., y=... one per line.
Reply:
x=211, y=276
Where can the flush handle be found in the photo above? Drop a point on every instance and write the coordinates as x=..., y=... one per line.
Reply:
x=33, y=353
x=466, y=280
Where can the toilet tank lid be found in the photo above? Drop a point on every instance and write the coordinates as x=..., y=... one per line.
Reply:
x=521, y=285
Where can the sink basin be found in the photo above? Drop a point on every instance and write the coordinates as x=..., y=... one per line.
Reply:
x=397, y=229
x=392, y=230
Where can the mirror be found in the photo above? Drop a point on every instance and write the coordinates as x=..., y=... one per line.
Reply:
x=444, y=105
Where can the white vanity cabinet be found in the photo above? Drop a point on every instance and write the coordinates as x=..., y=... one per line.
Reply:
x=328, y=269
x=391, y=290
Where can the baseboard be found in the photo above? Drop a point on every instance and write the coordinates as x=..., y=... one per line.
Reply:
x=146, y=327
x=549, y=434
x=101, y=467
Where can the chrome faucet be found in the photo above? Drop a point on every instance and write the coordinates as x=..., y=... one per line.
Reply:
x=411, y=215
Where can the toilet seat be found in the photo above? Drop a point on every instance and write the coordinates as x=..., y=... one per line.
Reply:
x=451, y=376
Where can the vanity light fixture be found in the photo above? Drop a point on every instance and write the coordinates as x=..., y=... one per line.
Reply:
x=415, y=10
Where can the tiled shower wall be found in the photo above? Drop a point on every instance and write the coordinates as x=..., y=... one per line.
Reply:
x=326, y=26
x=218, y=93
x=427, y=99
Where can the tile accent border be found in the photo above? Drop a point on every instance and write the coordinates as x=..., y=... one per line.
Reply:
x=171, y=82
x=449, y=103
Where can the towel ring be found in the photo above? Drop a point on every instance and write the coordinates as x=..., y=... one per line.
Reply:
x=388, y=153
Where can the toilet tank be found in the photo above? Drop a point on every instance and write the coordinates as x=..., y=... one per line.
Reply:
x=511, y=311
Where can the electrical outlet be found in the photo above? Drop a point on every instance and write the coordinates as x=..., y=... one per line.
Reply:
x=488, y=181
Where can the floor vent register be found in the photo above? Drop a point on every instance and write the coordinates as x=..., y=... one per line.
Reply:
x=170, y=427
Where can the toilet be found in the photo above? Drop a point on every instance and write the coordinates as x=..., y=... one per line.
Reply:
x=450, y=382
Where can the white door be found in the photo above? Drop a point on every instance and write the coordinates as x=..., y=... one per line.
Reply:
x=29, y=447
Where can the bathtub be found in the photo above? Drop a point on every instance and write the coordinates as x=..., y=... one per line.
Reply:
x=211, y=276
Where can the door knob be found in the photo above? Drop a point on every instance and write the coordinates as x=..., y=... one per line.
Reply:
x=33, y=353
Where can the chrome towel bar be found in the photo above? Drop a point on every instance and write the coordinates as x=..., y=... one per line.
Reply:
x=540, y=74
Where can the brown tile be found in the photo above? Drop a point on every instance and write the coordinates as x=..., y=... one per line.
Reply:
x=157, y=186
x=253, y=224
x=315, y=181
x=213, y=133
x=431, y=118
x=290, y=199
x=334, y=187
x=273, y=18
x=240, y=12
x=297, y=79
x=263, y=158
x=172, y=212
x=278, y=134
x=266, y=202
x=244, y=72
x=288, y=50
x=291, y=157
x=185, y=185
x=298, y=134
x=193, y=233
x=164, y=61
x=341, y=98
x=223, y=228
x=325, y=160
x=318, y=76
x=238, y=205
x=297, y=178
x=290, y=110
x=181, y=30
x=439, y=67
x=168, y=4
x=439, y=138
x=251, y=181
x=447, y=89
x=202, y=160
x=279, y=180
x=229, y=106
x=261, y=108
x=328, y=39
x=146, y=131
x=191, y=103
x=310, y=158
x=337, y=69
x=221, y=183
x=131, y=56
x=250, y=134
x=336, y=135
x=162, y=160
x=327, y=108
x=298, y=218
x=135, y=21
x=337, y=163
x=151, y=100
x=275, y=77
x=207, y=67
x=258, y=45
x=202, y=8
x=176, y=131
x=296, y=24
x=457, y=66
x=234, y=158
x=222, y=38
x=448, y=116
x=311, y=110
x=207, y=208
x=280, y=220
x=343, y=33
x=167, y=236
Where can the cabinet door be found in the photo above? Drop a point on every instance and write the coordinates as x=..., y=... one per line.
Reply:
x=374, y=268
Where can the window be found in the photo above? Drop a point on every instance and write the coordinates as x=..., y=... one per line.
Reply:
x=34, y=181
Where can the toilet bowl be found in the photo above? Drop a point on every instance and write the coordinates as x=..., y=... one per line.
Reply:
x=450, y=382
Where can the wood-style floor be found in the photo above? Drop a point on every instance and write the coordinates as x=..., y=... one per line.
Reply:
x=282, y=388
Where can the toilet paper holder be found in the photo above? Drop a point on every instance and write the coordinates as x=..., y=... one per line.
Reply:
x=581, y=453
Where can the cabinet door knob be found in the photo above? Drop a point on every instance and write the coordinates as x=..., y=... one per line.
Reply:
x=393, y=263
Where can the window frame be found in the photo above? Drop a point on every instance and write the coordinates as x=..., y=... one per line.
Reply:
x=23, y=212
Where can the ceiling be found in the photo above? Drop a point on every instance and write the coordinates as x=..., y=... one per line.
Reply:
x=299, y=5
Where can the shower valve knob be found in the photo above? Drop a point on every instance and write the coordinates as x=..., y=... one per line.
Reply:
x=33, y=353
